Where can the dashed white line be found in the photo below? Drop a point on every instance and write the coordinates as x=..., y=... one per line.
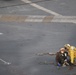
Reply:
x=74, y=22
x=66, y=19
x=41, y=8
x=34, y=20
x=37, y=18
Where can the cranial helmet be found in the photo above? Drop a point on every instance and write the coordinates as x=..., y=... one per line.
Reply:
x=67, y=46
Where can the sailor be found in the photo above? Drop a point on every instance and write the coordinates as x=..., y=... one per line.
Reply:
x=61, y=57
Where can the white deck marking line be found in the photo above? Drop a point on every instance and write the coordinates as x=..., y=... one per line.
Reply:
x=41, y=8
x=34, y=18
x=74, y=22
x=38, y=18
x=5, y=62
x=67, y=19
x=48, y=11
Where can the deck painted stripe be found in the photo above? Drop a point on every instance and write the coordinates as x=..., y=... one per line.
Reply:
x=41, y=8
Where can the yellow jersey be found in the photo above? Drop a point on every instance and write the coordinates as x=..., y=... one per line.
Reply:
x=72, y=53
